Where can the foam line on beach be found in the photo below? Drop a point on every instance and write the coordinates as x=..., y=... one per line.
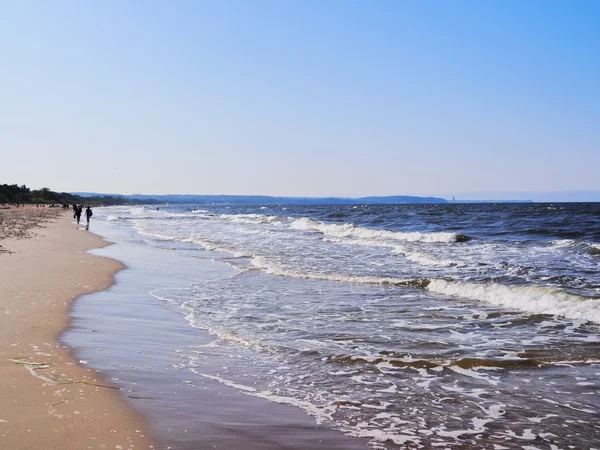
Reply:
x=321, y=414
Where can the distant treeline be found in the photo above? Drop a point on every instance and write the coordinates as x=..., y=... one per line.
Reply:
x=13, y=193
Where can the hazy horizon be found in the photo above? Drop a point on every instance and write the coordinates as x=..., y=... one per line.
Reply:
x=566, y=196
x=316, y=99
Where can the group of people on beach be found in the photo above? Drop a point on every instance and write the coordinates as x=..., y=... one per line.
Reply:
x=78, y=210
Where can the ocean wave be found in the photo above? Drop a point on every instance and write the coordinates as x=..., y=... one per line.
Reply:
x=252, y=218
x=214, y=247
x=229, y=337
x=159, y=236
x=562, y=243
x=428, y=260
x=589, y=247
x=139, y=211
x=531, y=299
x=260, y=263
x=416, y=257
x=396, y=247
x=348, y=230
x=204, y=243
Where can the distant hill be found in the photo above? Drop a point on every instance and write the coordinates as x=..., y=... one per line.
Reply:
x=267, y=200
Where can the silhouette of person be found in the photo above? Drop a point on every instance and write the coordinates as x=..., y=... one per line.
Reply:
x=78, y=210
x=88, y=216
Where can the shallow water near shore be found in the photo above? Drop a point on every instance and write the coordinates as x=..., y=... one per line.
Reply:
x=137, y=342
x=412, y=326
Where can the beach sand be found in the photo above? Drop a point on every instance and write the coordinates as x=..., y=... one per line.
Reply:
x=48, y=400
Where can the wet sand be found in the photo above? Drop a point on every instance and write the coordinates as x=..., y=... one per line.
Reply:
x=49, y=401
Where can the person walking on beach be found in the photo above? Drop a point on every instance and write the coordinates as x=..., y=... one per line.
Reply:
x=78, y=211
x=88, y=216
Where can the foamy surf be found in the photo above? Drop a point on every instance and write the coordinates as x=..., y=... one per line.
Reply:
x=348, y=230
x=252, y=218
x=590, y=247
x=531, y=299
x=261, y=263
x=332, y=307
x=320, y=413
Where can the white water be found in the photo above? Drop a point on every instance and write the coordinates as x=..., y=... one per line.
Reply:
x=531, y=299
x=352, y=231
x=319, y=317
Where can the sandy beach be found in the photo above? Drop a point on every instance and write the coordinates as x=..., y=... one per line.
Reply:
x=48, y=400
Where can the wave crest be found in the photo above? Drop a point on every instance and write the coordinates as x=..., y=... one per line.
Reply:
x=348, y=230
x=531, y=299
x=260, y=263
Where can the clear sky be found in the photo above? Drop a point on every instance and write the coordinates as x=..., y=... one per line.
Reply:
x=297, y=97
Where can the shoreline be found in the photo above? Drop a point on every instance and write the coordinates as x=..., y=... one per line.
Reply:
x=49, y=399
x=141, y=342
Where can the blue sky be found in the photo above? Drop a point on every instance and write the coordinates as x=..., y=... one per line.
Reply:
x=312, y=98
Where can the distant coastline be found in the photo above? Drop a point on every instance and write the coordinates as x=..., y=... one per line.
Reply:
x=269, y=200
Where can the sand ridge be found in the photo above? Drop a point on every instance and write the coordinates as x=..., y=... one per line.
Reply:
x=48, y=400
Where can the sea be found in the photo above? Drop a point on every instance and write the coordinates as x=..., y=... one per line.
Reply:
x=409, y=325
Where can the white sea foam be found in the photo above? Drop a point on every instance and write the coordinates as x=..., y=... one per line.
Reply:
x=382, y=436
x=590, y=247
x=348, y=230
x=154, y=294
x=261, y=263
x=321, y=414
x=163, y=237
x=428, y=260
x=476, y=375
x=396, y=248
x=136, y=211
x=210, y=246
x=594, y=249
x=252, y=218
x=226, y=336
x=225, y=382
x=561, y=243
x=531, y=299
x=416, y=257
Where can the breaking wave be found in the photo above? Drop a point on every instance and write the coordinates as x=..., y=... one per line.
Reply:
x=260, y=263
x=252, y=218
x=531, y=299
x=348, y=230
